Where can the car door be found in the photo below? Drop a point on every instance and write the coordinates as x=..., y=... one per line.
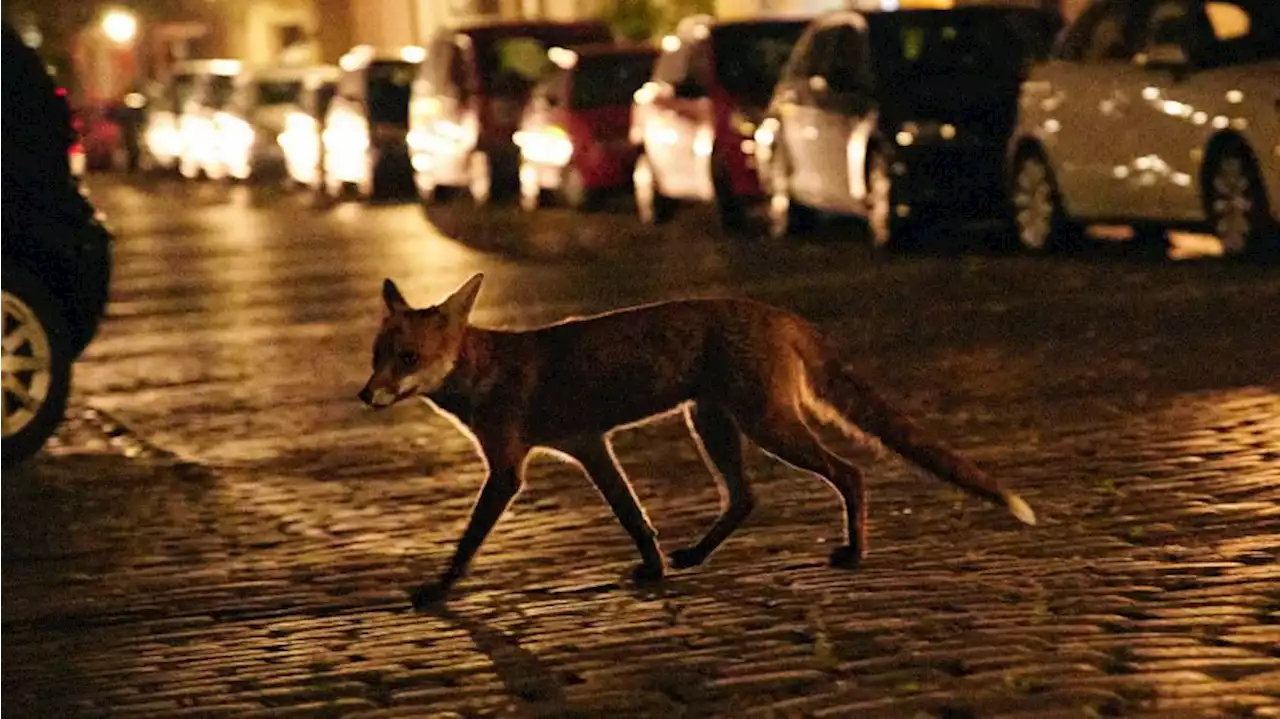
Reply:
x=1199, y=87
x=1085, y=93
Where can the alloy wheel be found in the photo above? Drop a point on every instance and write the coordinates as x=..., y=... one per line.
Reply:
x=1033, y=204
x=27, y=365
x=879, y=195
x=1232, y=204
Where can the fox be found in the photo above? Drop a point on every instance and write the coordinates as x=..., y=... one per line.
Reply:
x=737, y=368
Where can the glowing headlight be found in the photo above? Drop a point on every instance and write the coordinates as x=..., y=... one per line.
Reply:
x=550, y=145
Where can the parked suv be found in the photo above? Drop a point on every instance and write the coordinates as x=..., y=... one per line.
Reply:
x=695, y=119
x=211, y=91
x=56, y=255
x=899, y=117
x=168, y=102
x=469, y=96
x=573, y=139
x=1161, y=113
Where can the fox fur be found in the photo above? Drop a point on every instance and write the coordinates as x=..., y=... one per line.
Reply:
x=735, y=367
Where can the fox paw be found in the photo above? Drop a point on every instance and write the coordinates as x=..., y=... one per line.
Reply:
x=846, y=557
x=685, y=558
x=647, y=573
x=428, y=595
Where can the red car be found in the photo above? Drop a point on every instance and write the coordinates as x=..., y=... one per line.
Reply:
x=573, y=137
x=697, y=116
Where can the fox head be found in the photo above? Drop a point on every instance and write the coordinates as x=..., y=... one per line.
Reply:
x=416, y=349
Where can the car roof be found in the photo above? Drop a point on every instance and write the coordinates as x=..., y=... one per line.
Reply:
x=494, y=25
x=598, y=49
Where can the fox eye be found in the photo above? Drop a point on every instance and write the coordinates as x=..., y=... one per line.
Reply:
x=408, y=358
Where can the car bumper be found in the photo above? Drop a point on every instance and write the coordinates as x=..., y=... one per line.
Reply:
x=949, y=182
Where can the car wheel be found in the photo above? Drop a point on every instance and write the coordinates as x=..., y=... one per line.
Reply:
x=574, y=192
x=785, y=215
x=37, y=370
x=729, y=207
x=1039, y=219
x=480, y=177
x=1236, y=204
x=884, y=228
x=652, y=206
x=530, y=189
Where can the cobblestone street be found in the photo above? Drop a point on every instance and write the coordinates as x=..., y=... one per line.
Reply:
x=222, y=529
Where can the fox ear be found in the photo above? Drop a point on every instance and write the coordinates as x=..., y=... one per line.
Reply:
x=391, y=295
x=459, y=304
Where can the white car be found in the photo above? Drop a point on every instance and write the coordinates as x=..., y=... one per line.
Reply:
x=1156, y=113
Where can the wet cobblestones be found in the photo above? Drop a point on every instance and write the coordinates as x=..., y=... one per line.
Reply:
x=231, y=535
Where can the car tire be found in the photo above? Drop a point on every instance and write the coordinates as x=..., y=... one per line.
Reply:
x=1236, y=204
x=574, y=192
x=652, y=206
x=785, y=216
x=730, y=209
x=1039, y=219
x=37, y=365
x=530, y=190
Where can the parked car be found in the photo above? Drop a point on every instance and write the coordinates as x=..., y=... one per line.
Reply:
x=469, y=97
x=1161, y=113
x=99, y=135
x=56, y=255
x=573, y=139
x=695, y=120
x=300, y=140
x=368, y=118
x=198, y=124
x=171, y=124
x=250, y=122
x=901, y=118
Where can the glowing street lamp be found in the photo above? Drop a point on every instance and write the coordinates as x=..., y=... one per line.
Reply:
x=120, y=26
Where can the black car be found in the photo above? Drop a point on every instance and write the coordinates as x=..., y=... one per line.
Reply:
x=56, y=255
x=898, y=117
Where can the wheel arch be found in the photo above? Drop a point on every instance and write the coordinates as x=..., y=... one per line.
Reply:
x=1219, y=143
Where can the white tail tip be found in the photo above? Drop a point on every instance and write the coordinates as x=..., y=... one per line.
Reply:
x=1020, y=509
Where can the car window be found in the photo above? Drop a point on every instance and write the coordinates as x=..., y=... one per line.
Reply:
x=749, y=57
x=815, y=57
x=848, y=69
x=279, y=92
x=389, y=84
x=1105, y=31
x=982, y=42
x=608, y=80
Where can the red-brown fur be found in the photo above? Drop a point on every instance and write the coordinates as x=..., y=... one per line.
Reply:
x=736, y=366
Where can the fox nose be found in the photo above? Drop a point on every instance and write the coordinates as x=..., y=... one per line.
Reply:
x=366, y=395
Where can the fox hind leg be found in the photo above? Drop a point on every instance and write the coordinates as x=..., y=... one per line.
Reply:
x=602, y=468
x=720, y=443
x=787, y=436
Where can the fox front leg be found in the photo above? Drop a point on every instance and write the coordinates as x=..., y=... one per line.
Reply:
x=500, y=488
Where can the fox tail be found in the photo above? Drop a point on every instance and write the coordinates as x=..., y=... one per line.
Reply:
x=854, y=401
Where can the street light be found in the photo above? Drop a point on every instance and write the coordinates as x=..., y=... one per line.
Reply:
x=120, y=26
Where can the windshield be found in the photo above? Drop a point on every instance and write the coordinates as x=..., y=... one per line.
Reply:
x=953, y=43
x=221, y=88
x=511, y=64
x=750, y=57
x=609, y=80
x=389, y=85
x=279, y=92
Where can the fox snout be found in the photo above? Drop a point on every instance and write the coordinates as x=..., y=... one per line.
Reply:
x=376, y=398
